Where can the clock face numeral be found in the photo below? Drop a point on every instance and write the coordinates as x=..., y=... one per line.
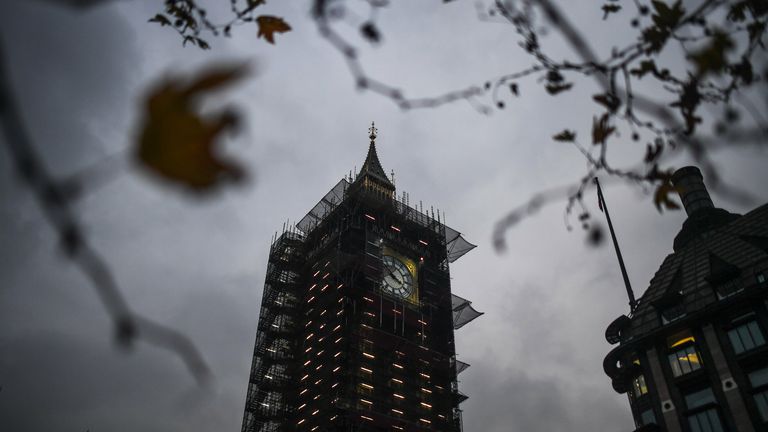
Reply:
x=397, y=279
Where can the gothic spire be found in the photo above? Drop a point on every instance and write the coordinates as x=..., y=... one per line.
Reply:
x=371, y=168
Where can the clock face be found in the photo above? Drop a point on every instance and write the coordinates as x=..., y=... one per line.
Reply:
x=397, y=280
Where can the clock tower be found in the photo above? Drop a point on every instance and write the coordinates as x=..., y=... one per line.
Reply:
x=356, y=327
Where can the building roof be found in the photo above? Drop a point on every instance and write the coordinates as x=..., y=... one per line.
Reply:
x=722, y=253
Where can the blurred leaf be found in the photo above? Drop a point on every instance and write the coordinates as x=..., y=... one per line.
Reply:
x=565, y=136
x=646, y=66
x=689, y=101
x=601, y=129
x=608, y=100
x=555, y=88
x=737, y=12
x=662, y=199
x=652, y=152
x=176, y=143
x=711, y=58
x=665, y=19
x=202, y=44
x=269, y=25
x=160, y=19
x=610, y=8
x=756, y=30
x=743, y=71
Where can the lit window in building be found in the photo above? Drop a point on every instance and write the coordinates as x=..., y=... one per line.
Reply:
x=638, y=386
x=365, y=389
x=746, y=337
x=703, y=415
x=684, y=358
x=759, y=381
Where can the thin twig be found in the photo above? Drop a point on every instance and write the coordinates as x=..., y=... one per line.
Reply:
x=54, y=200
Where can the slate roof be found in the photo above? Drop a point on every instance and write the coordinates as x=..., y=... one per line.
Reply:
x=736, y=250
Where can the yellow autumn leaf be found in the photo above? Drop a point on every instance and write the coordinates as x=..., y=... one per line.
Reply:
x=177, y=143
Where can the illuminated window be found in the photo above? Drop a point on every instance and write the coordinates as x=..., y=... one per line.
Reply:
x=746, y=337
x=396, y=383
x=684, y=361
x=703, y=415
x=638, y=386
x=684, y=358
x=759, y=381
x=365, y=389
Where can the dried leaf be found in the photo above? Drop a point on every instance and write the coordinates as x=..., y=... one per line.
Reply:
x=665, y=19
x=565, y=136
x=269, y=25
x=555, y=88
x=712, y=57
x=608, y=100
x=601, y=129
x=646, y=66
x=177, y=143
x=661, y=198
x=610, y=8
x=160, y=19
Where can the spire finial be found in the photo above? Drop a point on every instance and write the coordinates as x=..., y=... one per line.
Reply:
x=372, y=130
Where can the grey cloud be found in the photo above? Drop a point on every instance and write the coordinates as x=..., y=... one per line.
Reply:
x=199, y=266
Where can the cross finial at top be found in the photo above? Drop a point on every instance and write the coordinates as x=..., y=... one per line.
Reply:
x=372, y=130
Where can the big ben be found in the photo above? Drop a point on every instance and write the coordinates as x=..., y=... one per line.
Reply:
x=356, y=327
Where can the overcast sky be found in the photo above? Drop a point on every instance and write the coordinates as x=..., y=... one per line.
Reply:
x=198, y=265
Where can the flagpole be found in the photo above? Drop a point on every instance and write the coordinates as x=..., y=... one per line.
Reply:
x=604, y=209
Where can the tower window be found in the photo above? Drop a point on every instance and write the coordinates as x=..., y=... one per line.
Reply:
x=759, y=381
x=746, y=337
x=702, y=414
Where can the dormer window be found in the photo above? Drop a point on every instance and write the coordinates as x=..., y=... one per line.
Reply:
x=672, y=313
x=670, y=305
x=724, y=277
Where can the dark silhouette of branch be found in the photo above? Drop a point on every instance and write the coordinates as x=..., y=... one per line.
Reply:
x=55, y=198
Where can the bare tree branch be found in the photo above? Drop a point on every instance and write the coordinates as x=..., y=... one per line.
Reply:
x=54, y=198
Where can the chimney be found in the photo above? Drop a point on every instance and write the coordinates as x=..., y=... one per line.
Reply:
x=690, y=185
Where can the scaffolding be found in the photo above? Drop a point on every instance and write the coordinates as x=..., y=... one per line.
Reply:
x=334, y=350
x=270, y=383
